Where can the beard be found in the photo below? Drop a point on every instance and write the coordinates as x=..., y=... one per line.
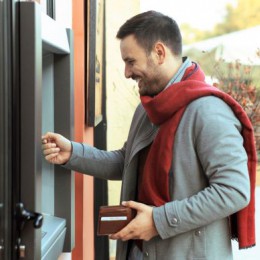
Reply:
x=146, y=90
x=150, y=84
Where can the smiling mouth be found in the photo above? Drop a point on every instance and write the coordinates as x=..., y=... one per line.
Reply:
x=137, y=80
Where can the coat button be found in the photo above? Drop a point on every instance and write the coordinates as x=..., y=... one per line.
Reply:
x=174, y=220
x=198, y=233
x=146, y=254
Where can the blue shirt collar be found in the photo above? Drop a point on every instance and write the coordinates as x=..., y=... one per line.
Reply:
x=178, y=76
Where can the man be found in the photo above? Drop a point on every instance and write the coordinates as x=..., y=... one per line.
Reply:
x=184, y=167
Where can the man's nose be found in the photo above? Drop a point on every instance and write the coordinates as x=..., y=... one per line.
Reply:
x=128, y=72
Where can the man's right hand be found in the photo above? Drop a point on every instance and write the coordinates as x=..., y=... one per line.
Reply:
x=56, y=148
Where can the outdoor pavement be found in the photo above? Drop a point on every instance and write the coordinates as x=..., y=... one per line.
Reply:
x=252, y=253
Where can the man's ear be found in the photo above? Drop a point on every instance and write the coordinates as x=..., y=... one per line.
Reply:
x=160, y=52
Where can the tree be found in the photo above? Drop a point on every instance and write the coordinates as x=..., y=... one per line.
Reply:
x=244, y=14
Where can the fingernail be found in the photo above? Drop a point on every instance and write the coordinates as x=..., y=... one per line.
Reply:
x=123, y=203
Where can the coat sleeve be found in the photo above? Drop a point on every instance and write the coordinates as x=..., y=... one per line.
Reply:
x=218, y=147
x=98, y=163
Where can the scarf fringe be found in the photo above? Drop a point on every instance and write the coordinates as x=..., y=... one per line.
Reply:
x=234, y=238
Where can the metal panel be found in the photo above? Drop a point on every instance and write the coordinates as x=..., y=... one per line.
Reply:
x=46, y=105
x=2, y=138
x=47, y=125
x=31, y=98
x=9, y=128
x=5, y=171
x=64, y=124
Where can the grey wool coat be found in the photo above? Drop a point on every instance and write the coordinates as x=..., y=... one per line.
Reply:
x=208, y=180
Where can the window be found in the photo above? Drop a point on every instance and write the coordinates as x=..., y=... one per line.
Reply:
x=48, y=7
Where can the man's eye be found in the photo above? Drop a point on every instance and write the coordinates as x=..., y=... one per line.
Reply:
x=131, y=62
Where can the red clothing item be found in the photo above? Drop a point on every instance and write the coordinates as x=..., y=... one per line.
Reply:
x=166, y=110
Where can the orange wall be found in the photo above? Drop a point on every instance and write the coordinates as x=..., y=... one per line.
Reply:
x=84, y=238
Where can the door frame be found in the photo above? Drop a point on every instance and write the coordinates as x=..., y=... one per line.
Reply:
x=10, y=128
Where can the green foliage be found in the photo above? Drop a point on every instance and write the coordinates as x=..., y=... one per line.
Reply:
x=242, y=16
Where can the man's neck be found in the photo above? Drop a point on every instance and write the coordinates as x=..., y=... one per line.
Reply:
x=178, y=74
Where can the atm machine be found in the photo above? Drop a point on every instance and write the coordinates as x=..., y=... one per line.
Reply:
x=46, y=211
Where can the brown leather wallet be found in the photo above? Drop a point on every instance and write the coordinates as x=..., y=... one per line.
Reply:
x=111, y=219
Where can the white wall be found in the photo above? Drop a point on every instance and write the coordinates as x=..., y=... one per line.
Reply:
x=64, y=12
x=122, y=98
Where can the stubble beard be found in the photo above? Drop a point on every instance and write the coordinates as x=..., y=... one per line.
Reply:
x=153, y=86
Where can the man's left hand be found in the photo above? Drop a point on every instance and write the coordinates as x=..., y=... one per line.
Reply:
x=141, y=227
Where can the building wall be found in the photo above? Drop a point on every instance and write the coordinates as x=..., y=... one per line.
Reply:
x=84, y=230
x=122, y=96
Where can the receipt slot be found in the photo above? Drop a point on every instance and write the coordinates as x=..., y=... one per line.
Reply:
x=46, y=101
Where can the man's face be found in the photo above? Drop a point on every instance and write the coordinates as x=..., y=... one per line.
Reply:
x=140, y=67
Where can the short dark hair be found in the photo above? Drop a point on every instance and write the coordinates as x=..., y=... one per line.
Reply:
x=150, y=27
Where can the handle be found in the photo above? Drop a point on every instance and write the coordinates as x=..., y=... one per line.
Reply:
x=24, y=215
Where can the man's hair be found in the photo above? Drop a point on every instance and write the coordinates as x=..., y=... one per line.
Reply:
x=150, y=27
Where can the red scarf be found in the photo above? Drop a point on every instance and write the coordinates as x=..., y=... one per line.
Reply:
x=166, y=110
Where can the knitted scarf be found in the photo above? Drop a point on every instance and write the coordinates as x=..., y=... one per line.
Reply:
x=166, y=110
